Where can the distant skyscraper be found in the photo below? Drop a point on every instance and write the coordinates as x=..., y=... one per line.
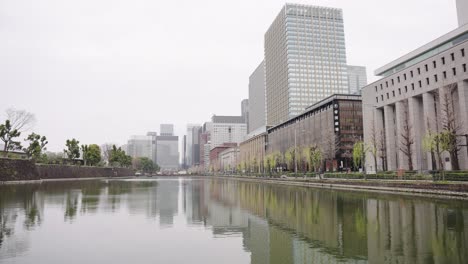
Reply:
x=168, y=152
x=227, y=129
x=184, y=152
x=357, y=78
x=167, y=129
x=142, y=146
x=257, y=111
x=462, y=11
x=305, y=59
x=245, y=111
x=192, y=145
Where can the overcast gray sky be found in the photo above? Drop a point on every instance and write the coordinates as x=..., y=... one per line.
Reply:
x=102, y=70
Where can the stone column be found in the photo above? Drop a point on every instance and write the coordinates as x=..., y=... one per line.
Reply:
x=390, y=136
x=417, y=132
x=429, y=121
x=399, y=125
x=463, y=118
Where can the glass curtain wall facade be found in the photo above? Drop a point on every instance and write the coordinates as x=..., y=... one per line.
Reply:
x=305, y=59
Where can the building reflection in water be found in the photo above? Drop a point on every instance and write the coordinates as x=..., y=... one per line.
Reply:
x=277, y=224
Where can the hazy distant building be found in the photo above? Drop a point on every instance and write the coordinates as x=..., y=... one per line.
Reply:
x=305, y=60
x=184, y=152
x=227, y=129
x=153, y=136
x=167, y=129
x=462, y=11
x=257, y=111
x=192, y=144
x=357, y=78
x=245, y=111
x=205, y=145
x=142, y=146
x=168, y=152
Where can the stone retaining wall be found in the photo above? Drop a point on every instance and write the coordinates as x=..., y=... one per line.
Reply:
x=22, y=170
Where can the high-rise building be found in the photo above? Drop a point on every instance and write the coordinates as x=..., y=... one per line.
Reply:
x=305, y=59
x=167, y=129
x=205, y=145
x=227, y=129
x=462, y=11
x=168, y=152
x=184, y=152
x=142, y=146
x=245, y=111
x=357, y=78
x=257, y=111
x=192, y=145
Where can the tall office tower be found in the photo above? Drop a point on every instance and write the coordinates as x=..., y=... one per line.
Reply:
x=357, y=78
x=205, y=143
x=245, y=105
x=227, y=129
x=257, y=111
x=305, y=59
x=196, y=131
x=168, y=152
x=167, y=129
x=153, y=136
x=462, y=12
x=184, y=152
x=142, y=146
x=189, y=145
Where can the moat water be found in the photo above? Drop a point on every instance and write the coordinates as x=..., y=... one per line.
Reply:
x=190, y=220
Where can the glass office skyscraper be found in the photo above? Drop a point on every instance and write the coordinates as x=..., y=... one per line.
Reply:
x=305, y=59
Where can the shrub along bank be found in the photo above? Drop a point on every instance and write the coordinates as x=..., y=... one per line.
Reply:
x=21, y=170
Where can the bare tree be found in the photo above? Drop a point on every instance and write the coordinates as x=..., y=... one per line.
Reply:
x=373, y=147
x=21, y=120
x=406, y=137
x=330, y=145
x=382, y=149
x=451, y=125
x=106, y=150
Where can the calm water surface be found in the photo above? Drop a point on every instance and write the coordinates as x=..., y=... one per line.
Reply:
x=223, y=221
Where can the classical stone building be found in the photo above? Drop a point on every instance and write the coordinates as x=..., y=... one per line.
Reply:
x=425, y=91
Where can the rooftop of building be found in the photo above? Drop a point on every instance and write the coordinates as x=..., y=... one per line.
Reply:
x=432, y=48
x=320, y=104
x=228, y=119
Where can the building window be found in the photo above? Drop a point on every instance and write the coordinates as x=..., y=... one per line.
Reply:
x=393, y=83
x=406, y=88
x=399, y=91
x=411, y=73
x=376, y=88
x=463, y=52
x=427, y=81
x=419, y=71
x=435, y=64
x=388, y=96
x=464, y=67
x=453, y=56
x=454, y=70
x=420, y=84
x=412, y=86
x=427, y=68
x=398, y=79
x=404, y=76
x=386, y=84
x=443, y=60
x=445, y=74
x=435, y=78
x=393, y=93
x=377, y=99
x=381, y=87
x=381, y=97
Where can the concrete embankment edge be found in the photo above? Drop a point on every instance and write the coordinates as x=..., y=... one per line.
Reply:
x=359, y=188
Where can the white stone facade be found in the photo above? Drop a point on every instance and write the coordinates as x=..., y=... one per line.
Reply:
x=412, y=100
